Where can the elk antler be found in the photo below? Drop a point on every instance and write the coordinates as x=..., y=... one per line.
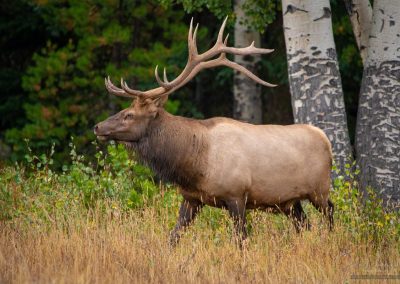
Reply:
x=196, y=62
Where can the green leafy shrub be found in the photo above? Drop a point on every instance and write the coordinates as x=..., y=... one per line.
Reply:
x=363, y=213
x=37, y=190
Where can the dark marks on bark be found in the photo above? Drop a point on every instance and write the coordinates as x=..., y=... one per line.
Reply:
x=382, y=25
x=378, y=129
x=392, y=23
x=292, y=9
x=326, y=14
x=331, y=53
x=297, y=53
x=384, y=82
x=390, y=70
x=333, y=82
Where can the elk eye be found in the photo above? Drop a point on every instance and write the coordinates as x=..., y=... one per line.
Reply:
x=128, y=116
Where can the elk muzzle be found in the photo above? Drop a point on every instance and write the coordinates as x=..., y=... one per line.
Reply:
x=100, y=132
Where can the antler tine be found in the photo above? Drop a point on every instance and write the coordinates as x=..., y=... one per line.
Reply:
x=243, y=70
x=190, y=33
x=226, y=39
x=220, y=61
x=135, y=93
x=193, y=53
x=221, y=46
x=165, y=76
x=246, y=50
x=194, y=40
x=195, y=63
x=192, y=46
x=112, y=89
x=162, y=83
x=223, y=54
x=221, y=32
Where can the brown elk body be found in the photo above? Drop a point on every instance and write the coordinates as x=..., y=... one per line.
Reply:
x=222, y=162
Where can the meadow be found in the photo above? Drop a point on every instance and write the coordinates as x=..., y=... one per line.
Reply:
x=108, y=221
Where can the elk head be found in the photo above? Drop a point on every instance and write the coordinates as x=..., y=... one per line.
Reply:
x=130, y=125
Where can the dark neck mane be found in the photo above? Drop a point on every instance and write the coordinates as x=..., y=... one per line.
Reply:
x=175, y=149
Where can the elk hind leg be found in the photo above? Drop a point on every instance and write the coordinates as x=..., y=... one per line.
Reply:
x=237, y=211
x=298, y=217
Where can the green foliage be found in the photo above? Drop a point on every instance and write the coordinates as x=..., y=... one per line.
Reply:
x=364, y=214
x=261, y=13
x=38, y=192
x=92, y=39
x=219, y=8
x=22, y=32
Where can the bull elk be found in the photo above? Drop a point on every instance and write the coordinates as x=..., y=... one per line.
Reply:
x=222, y=162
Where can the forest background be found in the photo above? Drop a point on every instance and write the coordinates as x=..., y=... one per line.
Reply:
x=55, y=55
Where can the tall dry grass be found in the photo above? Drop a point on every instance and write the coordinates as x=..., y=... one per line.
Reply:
x=106, y=246
x=110, y=224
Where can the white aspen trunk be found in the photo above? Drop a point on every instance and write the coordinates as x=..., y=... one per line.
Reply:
x=246, y=93
x=360, y=13
x=378, y=121
x=315, y=83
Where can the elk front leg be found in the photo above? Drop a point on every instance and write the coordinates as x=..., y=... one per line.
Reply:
x=237, y=210
x=187, y=212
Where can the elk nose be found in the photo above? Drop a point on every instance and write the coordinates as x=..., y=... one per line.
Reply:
x=96, y=129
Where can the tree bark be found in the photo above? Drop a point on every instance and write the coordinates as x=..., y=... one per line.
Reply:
x=315, y=84
x=378, y=121
x=360, y=13
x=246, y=93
